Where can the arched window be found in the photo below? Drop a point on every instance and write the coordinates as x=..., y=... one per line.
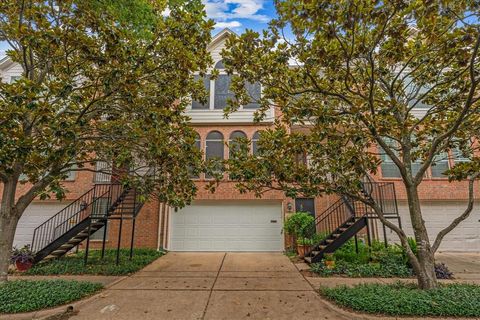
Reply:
x=220, y=65
x=214, y=147
x=218, y=91
x=234, y=143
x=255, y=138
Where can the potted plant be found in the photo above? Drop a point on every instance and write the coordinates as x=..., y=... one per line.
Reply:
x=302, y=226
x=329, y=260
x=22, y=258
x=304, y=245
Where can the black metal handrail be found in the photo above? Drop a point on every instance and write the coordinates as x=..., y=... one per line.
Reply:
x=346, y=208
x=68, y=217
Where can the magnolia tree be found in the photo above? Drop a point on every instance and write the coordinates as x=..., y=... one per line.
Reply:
x=101, y=80
x=398, y=78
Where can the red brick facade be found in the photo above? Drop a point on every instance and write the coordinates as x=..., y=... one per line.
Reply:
x=153, y=221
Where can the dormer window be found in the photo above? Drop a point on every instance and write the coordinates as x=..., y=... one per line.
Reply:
x=219, y=91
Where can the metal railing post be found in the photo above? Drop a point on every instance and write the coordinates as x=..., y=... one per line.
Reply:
x=88, y=243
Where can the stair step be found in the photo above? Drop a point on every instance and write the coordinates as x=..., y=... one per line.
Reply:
x=342, y=229
x=329, y=240
x=67, y=246
x=314, y=253
x=322, y=247
x=308, y=259
x=58, y=252
x=98, y=224
x=336, y=235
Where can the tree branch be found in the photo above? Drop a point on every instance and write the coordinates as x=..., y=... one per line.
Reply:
x=463, y=216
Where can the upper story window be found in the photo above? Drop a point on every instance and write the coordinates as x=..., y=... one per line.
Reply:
x=14, y=78
x=197, y=105
x=219, y=93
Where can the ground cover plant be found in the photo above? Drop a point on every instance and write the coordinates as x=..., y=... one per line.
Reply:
x=74, y=264
x=30, y=295
x=374, y=261
x=400, y=299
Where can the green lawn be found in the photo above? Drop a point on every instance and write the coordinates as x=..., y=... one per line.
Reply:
x=30, y=295
x=450, y=300
x=74, y=265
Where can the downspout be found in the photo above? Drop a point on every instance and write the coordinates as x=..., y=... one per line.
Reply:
x=160, y=225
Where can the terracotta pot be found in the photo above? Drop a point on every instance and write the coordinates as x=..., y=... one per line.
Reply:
x=302, y=250
x=23, y=266
x=330, y=264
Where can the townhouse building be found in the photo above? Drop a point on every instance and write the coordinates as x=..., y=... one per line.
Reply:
x=230, y=221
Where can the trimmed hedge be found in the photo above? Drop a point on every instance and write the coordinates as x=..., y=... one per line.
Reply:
x=73, y=265
x=400, y=299
x=30, y=295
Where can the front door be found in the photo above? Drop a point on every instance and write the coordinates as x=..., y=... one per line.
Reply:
x=305, y=205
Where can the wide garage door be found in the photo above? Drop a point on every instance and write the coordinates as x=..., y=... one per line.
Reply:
x=227, y=226
x=35, y=214
x=438, y=215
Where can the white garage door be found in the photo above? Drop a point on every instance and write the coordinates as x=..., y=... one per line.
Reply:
x=35, y=214
x=227, y=226
x=438, y=215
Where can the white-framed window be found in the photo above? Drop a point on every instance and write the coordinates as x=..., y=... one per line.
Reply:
x=440, y=164
x=459, y=156
x=389, y=168
x=102, y=169
x=255, y=138
x=214, y=147
x=197, y=105
x=14, y=78
x=233, y=142
x=71, y=175
x=198, y=146
x=218, y=91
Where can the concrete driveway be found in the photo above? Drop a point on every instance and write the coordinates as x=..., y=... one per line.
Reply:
x=212, y=286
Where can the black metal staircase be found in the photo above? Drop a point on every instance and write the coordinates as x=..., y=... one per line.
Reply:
x=347, y=217
x=83, y=217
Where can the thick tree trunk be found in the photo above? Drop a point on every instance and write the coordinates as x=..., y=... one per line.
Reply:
x=425, y=268
x=8, y=224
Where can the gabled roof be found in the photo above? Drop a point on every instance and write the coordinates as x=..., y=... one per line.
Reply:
x=220, y=36
x=5, y=62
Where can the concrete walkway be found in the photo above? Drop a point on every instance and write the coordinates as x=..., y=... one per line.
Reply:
x=212, y=286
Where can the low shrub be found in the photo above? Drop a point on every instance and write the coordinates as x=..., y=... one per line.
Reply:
x=30, y=295
x=399, y=299
x=442, y=271
x=74, y=264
